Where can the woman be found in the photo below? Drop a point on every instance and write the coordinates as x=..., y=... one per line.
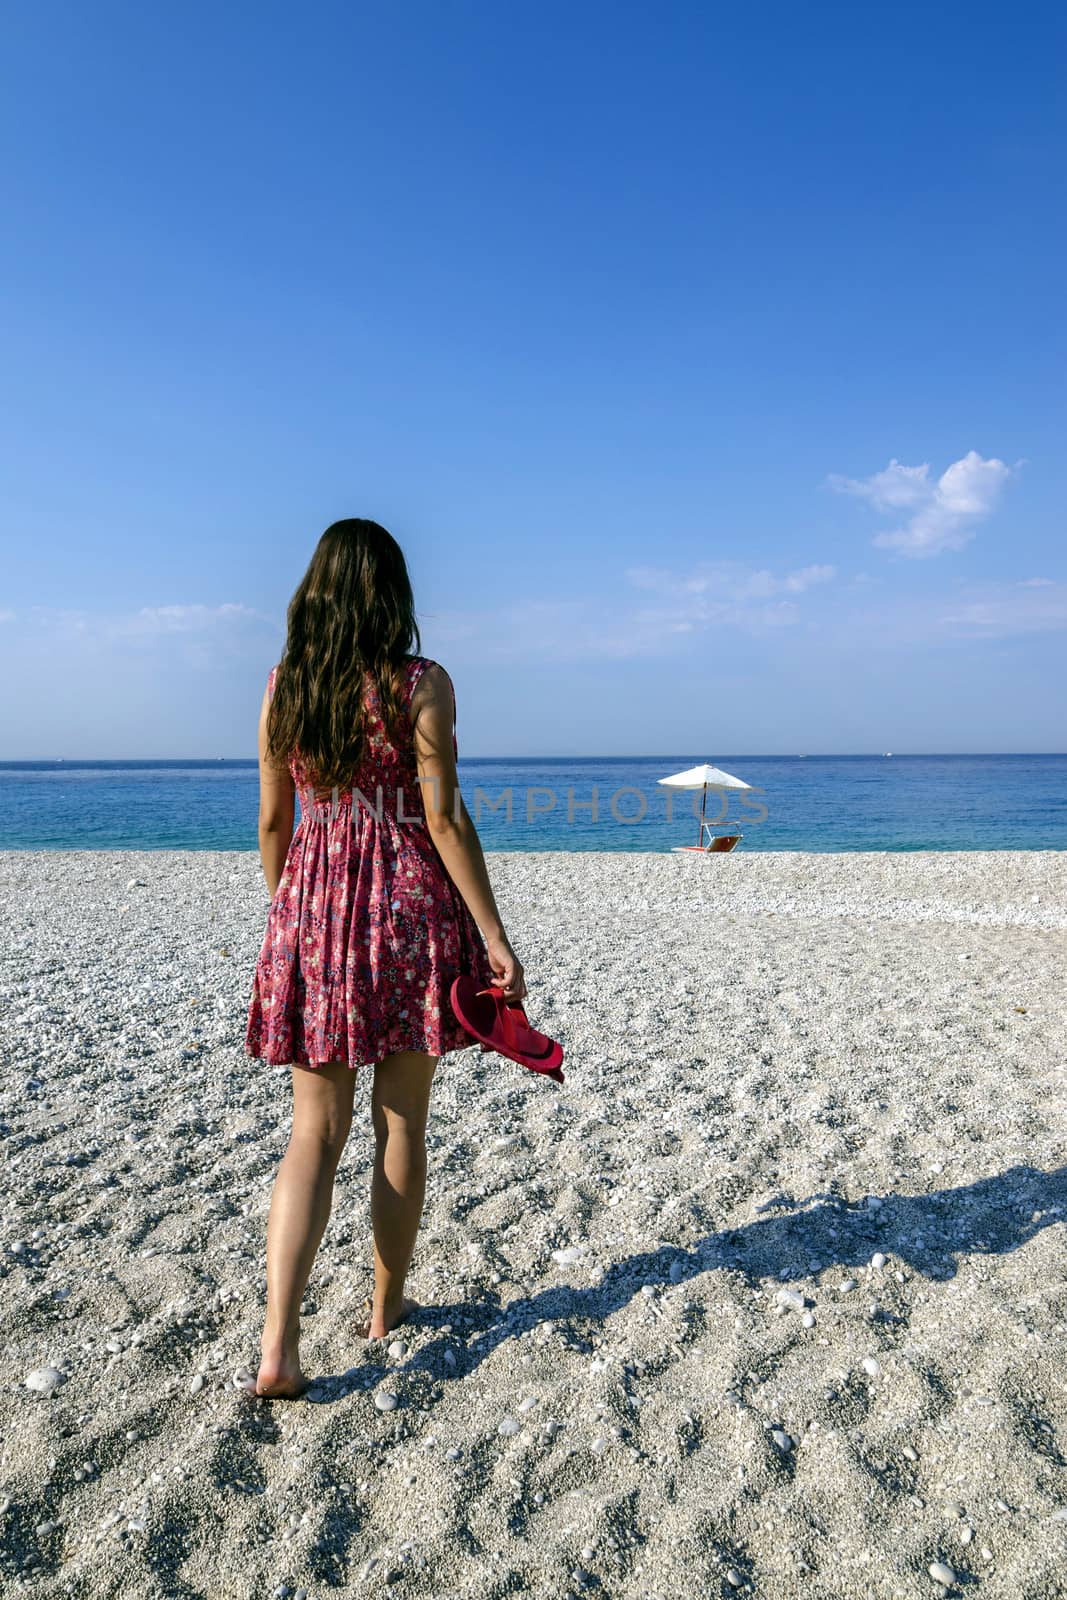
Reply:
x=376, y=905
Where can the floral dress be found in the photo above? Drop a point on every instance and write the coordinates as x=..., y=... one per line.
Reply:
x=366, y=929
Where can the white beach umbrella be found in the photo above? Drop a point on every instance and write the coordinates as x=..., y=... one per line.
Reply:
x=703, y=777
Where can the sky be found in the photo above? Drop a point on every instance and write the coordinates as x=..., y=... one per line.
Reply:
x=706, y=361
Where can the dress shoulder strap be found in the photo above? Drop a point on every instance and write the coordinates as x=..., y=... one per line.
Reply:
x=416, y=669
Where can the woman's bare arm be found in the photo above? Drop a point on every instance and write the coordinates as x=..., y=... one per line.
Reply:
x=277, y=807
x=453, y=833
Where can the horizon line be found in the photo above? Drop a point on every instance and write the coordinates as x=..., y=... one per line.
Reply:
x=790, y=755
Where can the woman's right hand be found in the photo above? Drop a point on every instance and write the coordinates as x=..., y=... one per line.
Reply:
x=507, y=968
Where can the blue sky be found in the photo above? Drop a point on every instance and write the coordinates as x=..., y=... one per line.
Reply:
x=706, y=361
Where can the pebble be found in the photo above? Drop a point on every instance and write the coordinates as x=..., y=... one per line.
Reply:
x=808, y=1319
x=781, y=1439
x=871, y=1366
x=508, y=1425
x=529, y=1403
x=966, y=1535
x=734, y=1578
x=385, y=1401
x=45, y=1380
x=398, y=1349
x=878, y=1261
x=847, y=1286
x=566, y=1257
x=453, y=1454
x=791, y=1299
x=909, y=1453
x=941, y=1572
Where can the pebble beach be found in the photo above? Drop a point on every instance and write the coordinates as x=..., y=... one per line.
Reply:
x=769, y=1298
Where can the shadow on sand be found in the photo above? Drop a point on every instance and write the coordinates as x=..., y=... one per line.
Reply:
x=928, y=1233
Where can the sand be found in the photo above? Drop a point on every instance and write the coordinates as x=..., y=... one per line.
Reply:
x=770, y=1298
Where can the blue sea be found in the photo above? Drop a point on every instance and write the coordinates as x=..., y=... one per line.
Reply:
x=825, y=803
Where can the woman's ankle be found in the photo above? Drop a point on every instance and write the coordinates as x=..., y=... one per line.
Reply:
x=278, y=1335
x=388, y=1300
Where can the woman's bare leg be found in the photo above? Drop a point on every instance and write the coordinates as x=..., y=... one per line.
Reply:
x=299, y=1212
x=399, y=1107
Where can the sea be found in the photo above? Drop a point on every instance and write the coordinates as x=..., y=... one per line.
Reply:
x=803, y=802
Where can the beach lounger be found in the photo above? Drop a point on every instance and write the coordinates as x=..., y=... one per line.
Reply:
x=712, y=843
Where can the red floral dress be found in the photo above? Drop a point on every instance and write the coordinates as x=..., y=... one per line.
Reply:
x=366, y=930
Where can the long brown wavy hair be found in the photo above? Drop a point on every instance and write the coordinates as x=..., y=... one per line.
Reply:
x=353, y=613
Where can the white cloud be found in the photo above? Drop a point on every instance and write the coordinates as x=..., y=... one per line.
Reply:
x=1000, y=610
x=943, y=513
x=898, y=488
x=725, y=594
x=186, y=618
x=963, y=611
x=203, y=637
x=722, y=594
x=729, y=580
x=150, y=621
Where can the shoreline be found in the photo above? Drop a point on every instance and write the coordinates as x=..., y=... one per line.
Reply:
x=835, y=1074
x=490, y=849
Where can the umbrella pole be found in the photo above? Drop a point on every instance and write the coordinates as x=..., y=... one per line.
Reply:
x=703, y=803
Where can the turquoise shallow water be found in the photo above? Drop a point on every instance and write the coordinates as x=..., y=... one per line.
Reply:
x=833, y=803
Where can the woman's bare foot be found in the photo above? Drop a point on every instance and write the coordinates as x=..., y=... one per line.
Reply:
x=383, y=1319
x=279, y=1376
